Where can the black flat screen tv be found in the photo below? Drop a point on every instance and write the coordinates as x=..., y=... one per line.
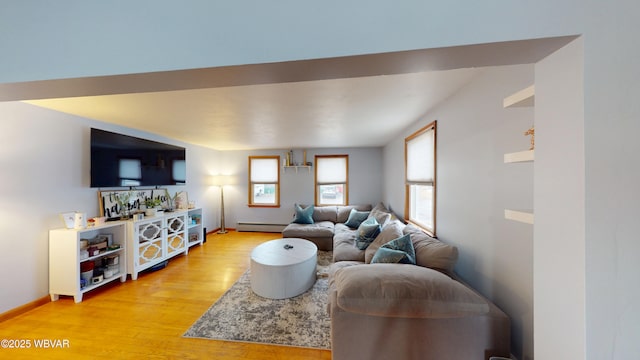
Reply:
x=125, y=161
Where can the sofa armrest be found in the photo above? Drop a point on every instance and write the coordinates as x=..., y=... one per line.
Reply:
x=399, y=290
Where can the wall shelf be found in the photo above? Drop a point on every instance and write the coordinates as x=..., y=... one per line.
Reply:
x=523, y=216
x=520, y=156
x=523, y=98
x=308, y=167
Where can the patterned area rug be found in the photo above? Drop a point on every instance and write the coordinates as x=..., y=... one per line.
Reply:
x=241, y=315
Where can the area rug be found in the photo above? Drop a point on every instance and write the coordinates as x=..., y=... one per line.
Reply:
x=241, y=315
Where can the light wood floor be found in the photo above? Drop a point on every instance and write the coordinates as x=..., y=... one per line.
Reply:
x=145, y=319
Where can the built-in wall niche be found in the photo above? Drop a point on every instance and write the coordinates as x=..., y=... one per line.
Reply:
x=522, y=98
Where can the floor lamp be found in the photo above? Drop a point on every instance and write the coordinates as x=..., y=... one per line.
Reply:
x=221, y=181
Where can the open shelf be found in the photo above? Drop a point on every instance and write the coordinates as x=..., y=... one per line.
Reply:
x=308, y=167
x=524, y=216
x=524, y=97
x=520, y=156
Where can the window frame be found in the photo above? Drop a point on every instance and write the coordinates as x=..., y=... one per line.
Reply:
x=345, y=185
x=408, y=184
x=251, y=183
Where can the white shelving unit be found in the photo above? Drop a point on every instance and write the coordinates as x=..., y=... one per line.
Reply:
x=65, y=259
x=142, y=244
x=195, y=228
x=155, y=239
x=522, y=98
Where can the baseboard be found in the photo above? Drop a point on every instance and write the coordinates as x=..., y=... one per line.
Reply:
x=260, y=227
x=24, y=308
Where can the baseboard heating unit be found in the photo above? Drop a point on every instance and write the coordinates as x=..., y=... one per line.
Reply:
x=261, y=227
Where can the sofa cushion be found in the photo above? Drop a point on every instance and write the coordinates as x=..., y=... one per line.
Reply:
x=396, y=251
x=367, y=232
x=325, y=213
x=344, y=248
x=392, y=230
x=430, y=252
x=404, y=291
x=306, y=231
x=356, y=218
x=344, y=211
x=381, y=213
x=303, y=215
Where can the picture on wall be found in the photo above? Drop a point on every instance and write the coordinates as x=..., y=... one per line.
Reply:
x=122, y=203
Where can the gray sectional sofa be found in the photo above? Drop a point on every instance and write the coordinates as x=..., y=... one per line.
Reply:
x=385, y=310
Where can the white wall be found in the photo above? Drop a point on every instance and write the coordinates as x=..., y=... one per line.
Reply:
x=474, y=186
x=559, y=246
x=612, y=195
x=365, y=183
x=45, y=160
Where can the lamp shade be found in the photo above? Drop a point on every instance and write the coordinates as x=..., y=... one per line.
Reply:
x=221, y=180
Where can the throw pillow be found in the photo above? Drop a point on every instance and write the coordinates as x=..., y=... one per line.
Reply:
x=356, y=218
x=399, y=250
x=367, y=232
x=303, y=216
x=381, y=213
x=391, y=231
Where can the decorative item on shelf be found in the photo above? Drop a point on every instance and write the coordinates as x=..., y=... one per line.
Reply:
x=96, y=221
x=80, y=220
x=531, y=132
x=86, y=272
x=113, y=247
x=289, y=158
x=74, y=220
x=152, y=205
x=171, y=201
x=182, y=200
x=123, y=202
x=93, y=250
x=69, y=219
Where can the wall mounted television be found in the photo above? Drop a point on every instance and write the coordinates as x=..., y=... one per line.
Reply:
x=125, y=161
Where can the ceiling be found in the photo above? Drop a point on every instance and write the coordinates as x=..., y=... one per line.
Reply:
x=356, y=101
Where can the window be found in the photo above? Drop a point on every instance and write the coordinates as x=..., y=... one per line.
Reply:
x=332, y=180
x=420, y=178
x=264, y=181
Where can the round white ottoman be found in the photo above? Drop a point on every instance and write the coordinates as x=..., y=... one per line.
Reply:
x=283, y=268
